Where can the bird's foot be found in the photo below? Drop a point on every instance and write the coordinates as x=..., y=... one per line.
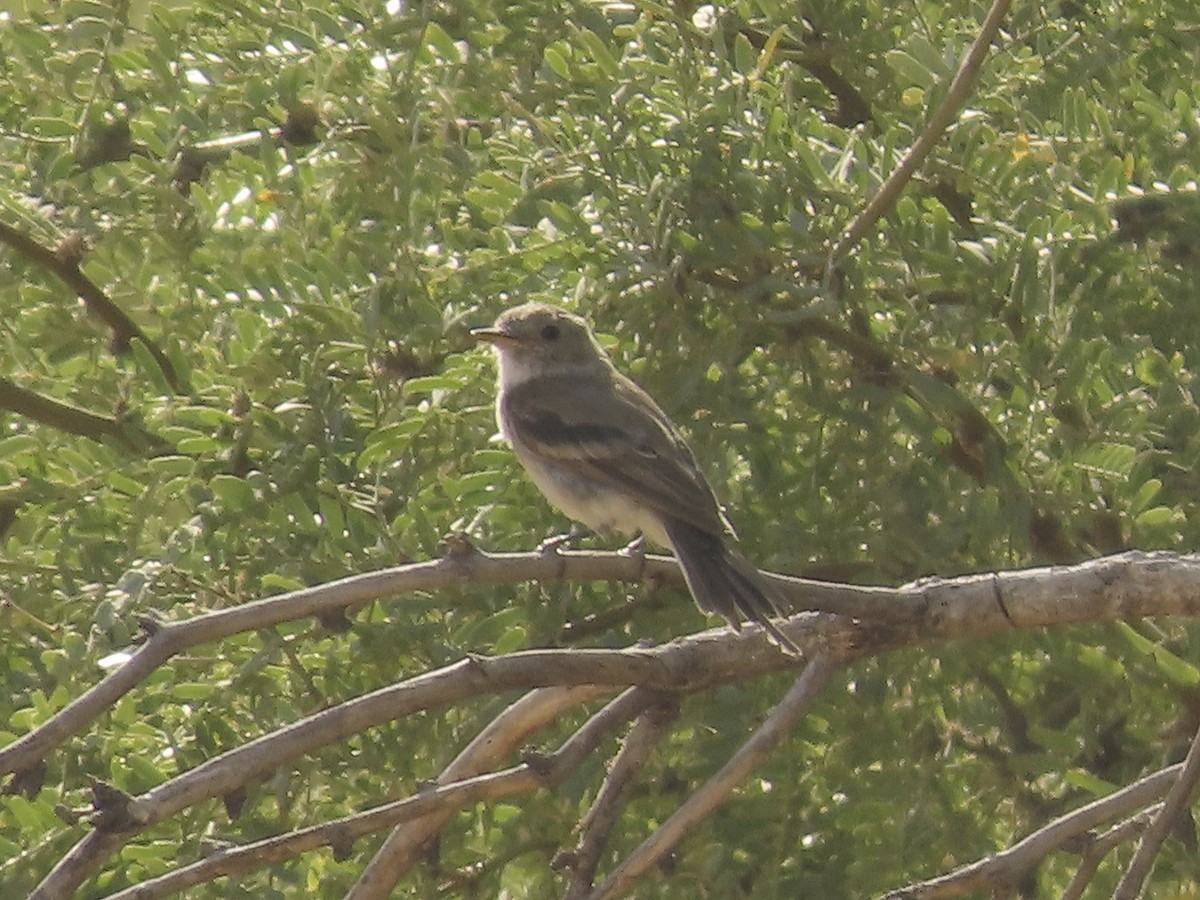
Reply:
x=636, y=551
x=636, y=548
x=557, y=542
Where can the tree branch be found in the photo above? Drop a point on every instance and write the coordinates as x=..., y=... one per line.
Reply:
x=749, y=756
x=1180, y=796
x=1101, y=846
x=1007, y=866
x=598, y=822
x=401, y=849
x=960, y=88
x=73, y=420
x=67, y=270
x=166, y=639
x=1112, y=587
x=1118, y=587
x=438, y=801
x=299, y=129
x=339, y=833
x=230, y=771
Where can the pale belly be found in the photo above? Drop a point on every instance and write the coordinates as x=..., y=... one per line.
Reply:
x=591, y=503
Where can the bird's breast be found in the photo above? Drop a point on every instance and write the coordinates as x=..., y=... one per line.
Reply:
x=588, y=500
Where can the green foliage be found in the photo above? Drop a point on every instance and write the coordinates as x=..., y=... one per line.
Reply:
x=999, y=377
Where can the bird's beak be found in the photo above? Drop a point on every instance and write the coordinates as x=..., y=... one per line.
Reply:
x=492, y=336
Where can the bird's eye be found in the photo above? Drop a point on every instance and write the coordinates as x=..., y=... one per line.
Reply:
x=550, y=333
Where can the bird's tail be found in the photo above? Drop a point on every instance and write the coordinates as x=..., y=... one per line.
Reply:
x=723, y=583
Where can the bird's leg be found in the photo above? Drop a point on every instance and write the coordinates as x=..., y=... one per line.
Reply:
x=556, y=542
x=636, y=550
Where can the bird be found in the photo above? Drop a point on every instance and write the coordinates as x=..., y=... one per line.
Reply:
x=604, y=453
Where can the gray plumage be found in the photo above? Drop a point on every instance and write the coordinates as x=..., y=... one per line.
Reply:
x=604, y=453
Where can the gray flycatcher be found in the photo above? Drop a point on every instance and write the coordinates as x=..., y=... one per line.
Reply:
x=604, y=453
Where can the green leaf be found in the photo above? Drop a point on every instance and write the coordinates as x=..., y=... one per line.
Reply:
x=75, y=9
x=1109, y=459
x=429, y=384
x=1081, y=778
x=329, y=25
x=48, y=127
x=557, y=63
x=744, y=55
x=274, y=583
x=149, y=366
x=392, y=442
x=1146, y=492
x=1158, y=516
x=233, y=493
x=18, y=445
x=909, y=70
x=193, y=690
x=1171, y=667
x=302, y=38
x=598, y=51
x=437, y=38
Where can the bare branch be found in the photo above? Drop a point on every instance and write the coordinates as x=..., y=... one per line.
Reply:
x=1180, y=796
x=67, y=270
x=72, y=419
x=1113, y=587
x=471, y=677
x=1102, y=846
x=1007, y=866
x=749, y=756
x=213, y=777
x=596, y=825
x=960, y=88
x=437, y=801
x=165, y=640
x=339, y=833
x=1130, y=584
x=400, y=850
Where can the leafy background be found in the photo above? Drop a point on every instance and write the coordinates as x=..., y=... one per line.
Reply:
x=1001, y=376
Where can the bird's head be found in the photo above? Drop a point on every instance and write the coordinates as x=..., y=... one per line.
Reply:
x=537, y=339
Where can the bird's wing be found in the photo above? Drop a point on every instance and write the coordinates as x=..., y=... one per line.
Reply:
x=615, y=433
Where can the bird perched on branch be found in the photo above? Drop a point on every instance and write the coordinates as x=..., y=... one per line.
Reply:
x=604, y=453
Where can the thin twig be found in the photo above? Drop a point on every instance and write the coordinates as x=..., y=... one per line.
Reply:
x=1180, y=796
x=73, y=420
x=439, y=800
x=338, y=833
x=124, y=329
x=960, y=88
x=646, y=734
x=400, y=850
x=790, y=711
x=1102, y=846
x=1007, y=866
